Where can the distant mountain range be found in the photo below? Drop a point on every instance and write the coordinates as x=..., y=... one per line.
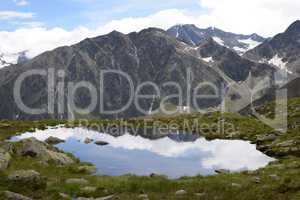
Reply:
x=157, y=56
x=7, y=59
x=193, y=35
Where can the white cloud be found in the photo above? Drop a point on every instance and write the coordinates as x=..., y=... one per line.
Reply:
x=266, y=17
x=21, y=2
x=7, y=15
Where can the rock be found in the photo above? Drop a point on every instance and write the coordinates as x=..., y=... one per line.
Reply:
x=54, y=140
x=88, y=189
x=101, y=143
x=65, y=196
x=105, y=198
x=14, y=196
x=256, y=179
x=236, y=185
x=143, y=196
x=286, y=144
x=274, y=177
x=222, y=171
x=100, y=198
x=27, y=178
x=203, y=194
x=267, y=138
x=77, y=181
x=87, y=169
x=36, y=149
x=4, y=161
x=88, y=140
x=180, y=192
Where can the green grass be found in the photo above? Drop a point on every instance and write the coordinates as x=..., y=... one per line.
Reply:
x=158, y=187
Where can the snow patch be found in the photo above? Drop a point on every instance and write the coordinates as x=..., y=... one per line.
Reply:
x=219, y=41
x=208, y=59
x=278, y=62
x=240, y=50
x=250, y=43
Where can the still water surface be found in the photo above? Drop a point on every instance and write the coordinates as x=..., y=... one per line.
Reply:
x=170, y=156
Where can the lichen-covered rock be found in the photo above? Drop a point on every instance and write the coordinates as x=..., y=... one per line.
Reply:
x=27, y=178
x=34, y=148
x=180, y=192
x=77, y=181
x=14, y=196
x=4, y=161
x=87, y=169
x=88, y=189
x=54, y=140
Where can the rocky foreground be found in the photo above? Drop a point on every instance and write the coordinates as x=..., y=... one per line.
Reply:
x=31, y=169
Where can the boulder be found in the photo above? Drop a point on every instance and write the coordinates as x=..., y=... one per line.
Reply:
x=256, y=180
x=203, y=194
x=143, y=196
x=87, y=169
x=77, y=181
x=14, y=196
x=27, y=178
x=267, y=138
x=286, y=144
x=54, y=140
x=180, y=192
x=88, y=140
x=100, y=198
x=65, y=196
x=4, y=161
x=236, y=185
x=275, y=177
x=88, y=189
x=101, y=143
x=36, y=149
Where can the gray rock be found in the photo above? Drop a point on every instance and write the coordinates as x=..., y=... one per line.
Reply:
x=88, y=189
x=267, y=138
x=286, y=144
x=275, y=177
x=180, y=192
x=256, y=179
x=88, y=140
x=87, y=169
x=236, y=185
x=100, y=198
x=4, y=161
x=77, y=181
x=203, y=194
x=65, y=196
x=143, y=196
x=27, y=178
x=34, y=148
x=14, y=196
x=54, y=140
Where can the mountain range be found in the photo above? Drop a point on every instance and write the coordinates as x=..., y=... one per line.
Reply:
x=156, y=56
x=193, y=35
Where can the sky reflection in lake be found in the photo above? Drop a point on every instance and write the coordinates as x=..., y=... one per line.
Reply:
x=130, y=154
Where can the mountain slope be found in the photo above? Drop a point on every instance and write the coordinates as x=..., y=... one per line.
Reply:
x=150, y=55
x=193, y=35
x=282, y=51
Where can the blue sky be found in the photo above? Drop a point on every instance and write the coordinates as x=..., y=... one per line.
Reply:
x=36, y=26
x=90, y=13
